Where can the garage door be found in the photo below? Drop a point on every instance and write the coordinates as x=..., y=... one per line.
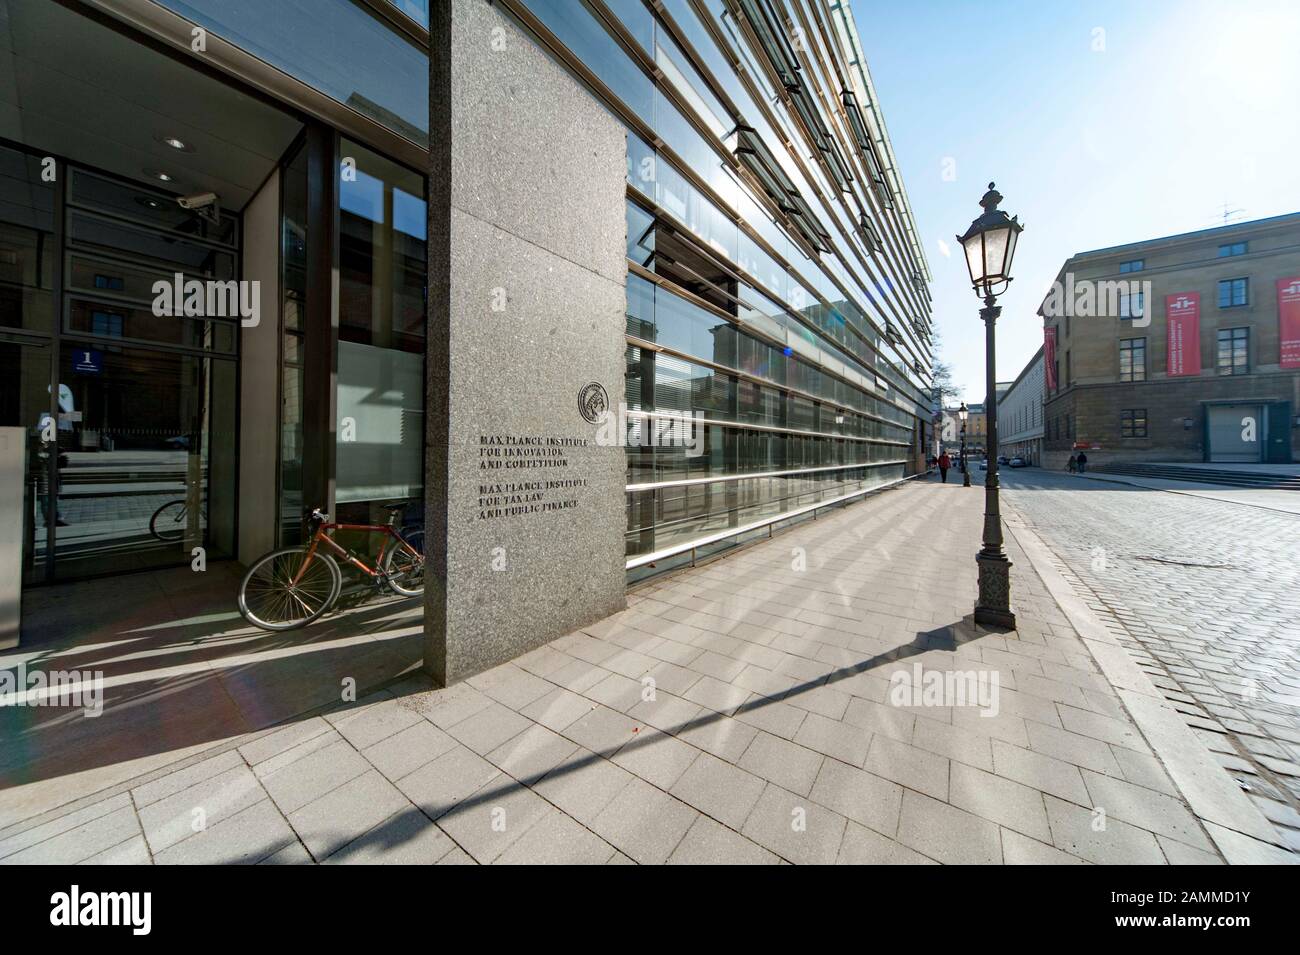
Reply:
x=1236, y=433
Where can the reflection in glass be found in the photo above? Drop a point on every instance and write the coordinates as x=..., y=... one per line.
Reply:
x=27, y=251
x=382, y=268
x=149, y=207
x=293, y=283
x=25, y=403
x=334, y=46
x=134, y=429
x=108, y=237
x=581, y=31
x=116, y=320
x=417, y=10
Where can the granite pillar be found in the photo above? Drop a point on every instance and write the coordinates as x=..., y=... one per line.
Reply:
x=527, y=274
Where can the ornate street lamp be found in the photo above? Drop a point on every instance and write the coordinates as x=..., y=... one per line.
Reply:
x=965, y=475
x=990, y=243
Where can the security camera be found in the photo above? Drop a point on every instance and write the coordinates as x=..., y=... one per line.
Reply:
x=206, y=204
x=198, y=200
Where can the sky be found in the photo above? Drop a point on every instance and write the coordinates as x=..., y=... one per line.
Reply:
x=1102, y=123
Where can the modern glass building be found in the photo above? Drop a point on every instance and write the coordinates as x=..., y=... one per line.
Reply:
x=777, y=305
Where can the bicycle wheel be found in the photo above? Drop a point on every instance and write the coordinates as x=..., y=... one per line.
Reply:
x=269, y=599
x=404, y=565
x=169, y=521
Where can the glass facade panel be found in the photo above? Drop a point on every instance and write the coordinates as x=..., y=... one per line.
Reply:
x=382, y=268
x=635, y=15
x=293, y=285
x=27, y=249
x=335, y=46
x=96, y=234
x=417, y=10
x=149, y=208
x=578, y=29
x=140, y=324
x=685, y=513
x=701, y=424
x=25, y=403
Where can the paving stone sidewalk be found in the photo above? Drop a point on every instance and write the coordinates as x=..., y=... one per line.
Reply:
x=739, y=712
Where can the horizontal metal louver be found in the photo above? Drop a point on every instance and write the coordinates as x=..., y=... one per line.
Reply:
x=770, y=31
x=869, y=234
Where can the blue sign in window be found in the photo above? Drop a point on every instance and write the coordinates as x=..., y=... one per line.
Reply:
x=86, y=362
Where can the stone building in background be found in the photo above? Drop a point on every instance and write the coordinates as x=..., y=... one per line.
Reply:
x=1020, y=414
x=1182, y=348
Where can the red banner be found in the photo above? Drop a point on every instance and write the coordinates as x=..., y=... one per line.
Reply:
x=1049, y=358
x=1288, y=320
x=1183, y=324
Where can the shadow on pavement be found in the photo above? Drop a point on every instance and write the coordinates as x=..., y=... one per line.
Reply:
x=180, y=669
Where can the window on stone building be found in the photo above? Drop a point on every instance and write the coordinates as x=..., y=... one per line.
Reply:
x=1133, y=359
x=1232, y=293
x=1133, y=265
x=1234, y=351
x=1231, y=249
x=1132, y=305
x=1133, y=423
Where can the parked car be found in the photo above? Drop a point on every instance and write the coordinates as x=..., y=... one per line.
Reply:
x=1003, y=459
x=1017, y=462
x=984, y=464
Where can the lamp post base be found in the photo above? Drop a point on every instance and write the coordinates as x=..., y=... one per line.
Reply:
x=993, y=608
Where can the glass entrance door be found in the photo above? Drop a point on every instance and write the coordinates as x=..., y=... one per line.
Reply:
x=135, y=464
x=146, y=396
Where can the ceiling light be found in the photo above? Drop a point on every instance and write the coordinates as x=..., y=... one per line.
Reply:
x=173, y=142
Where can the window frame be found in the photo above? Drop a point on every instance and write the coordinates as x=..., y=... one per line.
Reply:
x=1128, y=423
x=1132, y=346
x=1126, y=305
x=1231, y=285
x=1233, y=338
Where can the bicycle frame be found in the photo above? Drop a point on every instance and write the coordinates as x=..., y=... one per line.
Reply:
x=322, y=537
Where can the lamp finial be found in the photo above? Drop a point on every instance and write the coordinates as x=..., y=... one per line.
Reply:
x=989, y=202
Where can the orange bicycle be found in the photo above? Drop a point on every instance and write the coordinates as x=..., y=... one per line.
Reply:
x=293, y=586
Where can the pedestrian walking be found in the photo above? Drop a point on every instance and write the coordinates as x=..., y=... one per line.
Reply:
x=1073, y=465
x=1083, y=462
x=945, y=463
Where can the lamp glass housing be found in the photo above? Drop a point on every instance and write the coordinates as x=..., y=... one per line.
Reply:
x=990, y=246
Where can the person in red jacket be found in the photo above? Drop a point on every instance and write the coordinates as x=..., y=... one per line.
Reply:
x=945, y=463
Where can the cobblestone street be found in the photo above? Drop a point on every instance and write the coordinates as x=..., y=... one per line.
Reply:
x=1206, y=595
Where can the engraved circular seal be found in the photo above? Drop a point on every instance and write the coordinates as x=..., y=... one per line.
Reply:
x=593, y=401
